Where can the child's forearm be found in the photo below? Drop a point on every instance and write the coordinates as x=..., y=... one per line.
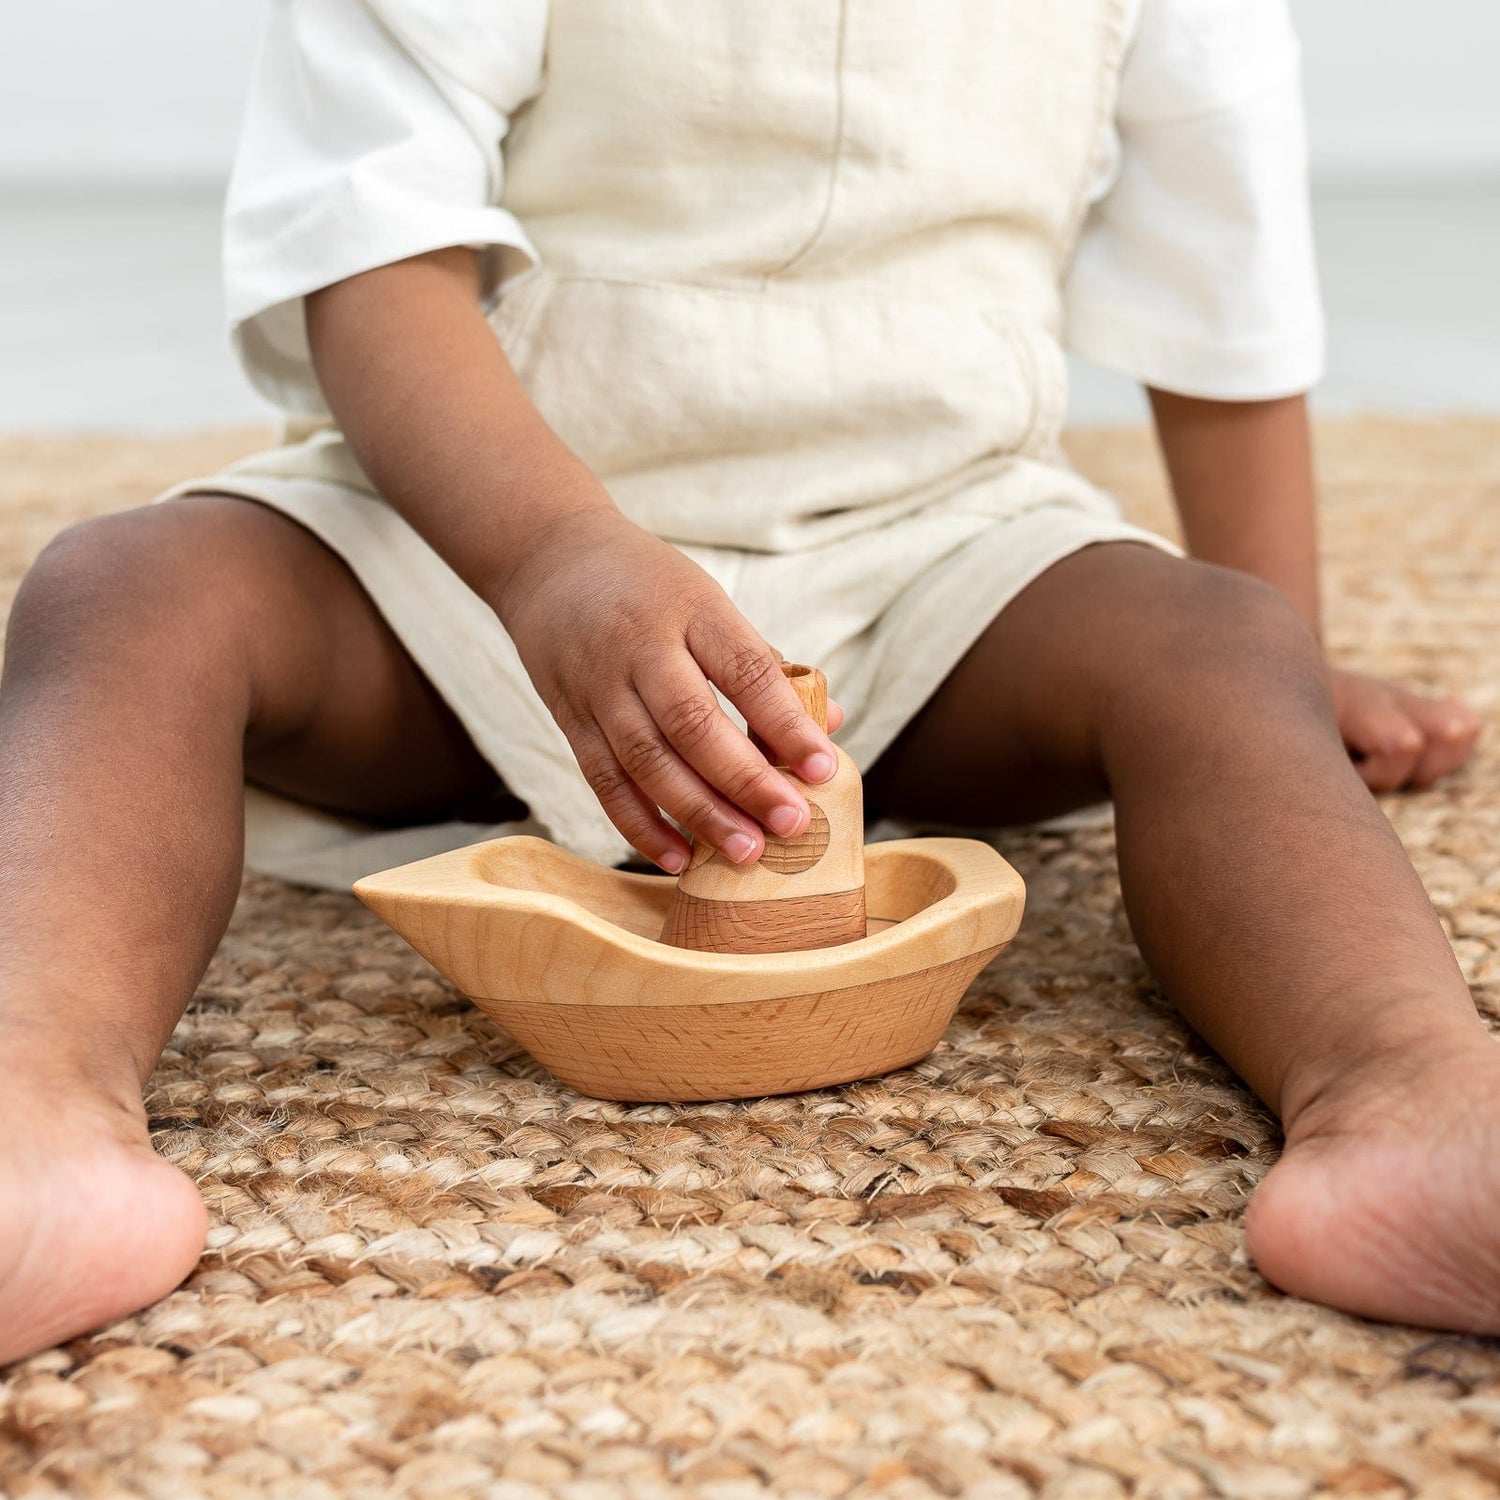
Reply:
x=437, y=418
x=624, y=637
x=1242, y=477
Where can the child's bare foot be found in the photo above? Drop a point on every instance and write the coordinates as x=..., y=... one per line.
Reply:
x=93, y=1224
x=1386, y=1201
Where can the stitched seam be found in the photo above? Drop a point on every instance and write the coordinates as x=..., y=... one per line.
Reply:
x=838, y=152
x=1290, y=75
x=1114, y=323
x=1027, y=356
x=1106, y=96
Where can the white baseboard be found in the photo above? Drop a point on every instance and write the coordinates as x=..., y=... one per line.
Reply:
x=1398, y=166
x=1397, y=158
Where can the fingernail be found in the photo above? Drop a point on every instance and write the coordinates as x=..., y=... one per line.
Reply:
x=819, y=766
x=673, y=862
x=784, y=820
x=739, y=847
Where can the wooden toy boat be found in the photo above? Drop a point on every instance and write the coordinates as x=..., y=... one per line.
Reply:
x=564, y=954
x=825, y=961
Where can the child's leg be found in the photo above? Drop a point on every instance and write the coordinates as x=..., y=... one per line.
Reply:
x=1268, y=893
x=151, y=656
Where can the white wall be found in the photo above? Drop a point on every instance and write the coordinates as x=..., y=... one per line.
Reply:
x=148, y=91
x=1402, y=92
x=126, y=92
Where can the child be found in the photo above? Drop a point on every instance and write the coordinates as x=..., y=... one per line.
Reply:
x=750, y=342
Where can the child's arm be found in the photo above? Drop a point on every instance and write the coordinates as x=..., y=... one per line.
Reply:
x=621, y=633
x=1242, y=477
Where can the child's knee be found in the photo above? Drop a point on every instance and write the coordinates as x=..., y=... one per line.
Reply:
x=115, y=582
x=1216, y=643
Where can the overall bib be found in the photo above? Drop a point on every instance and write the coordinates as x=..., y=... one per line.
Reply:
x=798, y=307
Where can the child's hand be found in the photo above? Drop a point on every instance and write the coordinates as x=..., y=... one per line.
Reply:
x=1399, y=738
x=622, y=635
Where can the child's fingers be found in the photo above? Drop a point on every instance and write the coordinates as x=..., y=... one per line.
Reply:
x=1387, y=743
x=684, y=707
x=636, y=816
x=746, y=670
x=648, y=759
x=1449, y=731
x=835, y=710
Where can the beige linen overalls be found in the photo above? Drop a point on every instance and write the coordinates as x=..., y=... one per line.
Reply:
x=798, y=307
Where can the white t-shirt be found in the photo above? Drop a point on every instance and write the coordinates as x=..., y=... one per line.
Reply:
x=374, y=132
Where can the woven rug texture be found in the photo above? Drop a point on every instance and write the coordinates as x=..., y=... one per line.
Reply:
x=1014, y=1270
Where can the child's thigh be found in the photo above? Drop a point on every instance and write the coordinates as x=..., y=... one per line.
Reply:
x=1117, y=644
x=247, y=621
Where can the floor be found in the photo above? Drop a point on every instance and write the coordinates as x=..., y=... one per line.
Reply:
x=109, y=314
x=1013, y=1271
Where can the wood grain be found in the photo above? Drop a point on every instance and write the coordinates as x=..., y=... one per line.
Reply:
x=792, y=856
x=744, y=1050
x=791, y=925
x=723, y=907
x=563, y=953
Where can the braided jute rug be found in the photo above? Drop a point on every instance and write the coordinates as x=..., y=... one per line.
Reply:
x=1014, y=1270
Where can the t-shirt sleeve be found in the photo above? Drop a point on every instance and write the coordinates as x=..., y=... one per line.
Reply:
x=373, y=132
x=1195, y=270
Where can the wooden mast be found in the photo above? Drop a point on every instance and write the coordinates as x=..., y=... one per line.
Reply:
x=803, y=892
